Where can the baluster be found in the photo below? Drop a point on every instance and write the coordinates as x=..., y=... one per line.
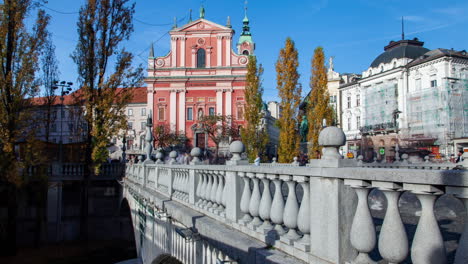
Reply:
x=393, y=242
x=254, y=204
x=461, y=256
x=265, y=205
x=214, y=189
x=186, y=185
x=202, y=184
x=225, y=195
x=291, y=209
x=208, y=190
x=205, y=189
x=428, y=244
x=219, y=191
x=277, y=208
x=303, y=218
x=245, y=200
x=362, y=235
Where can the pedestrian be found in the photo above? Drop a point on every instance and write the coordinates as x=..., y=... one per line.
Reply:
x=460, y=157
x=257, y=161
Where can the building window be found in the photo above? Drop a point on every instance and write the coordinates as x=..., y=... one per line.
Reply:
x=201, y=56
x=143, y=125
x=70, y=127
x=240, y=113
x=349, y=123
x=54, y=114
x=433, y=83
x=200, y=113
x=358, y=122
x=349, y=101
x=161, y=113
x=358, y=100
x=130, y=112
x=53, y=128
x=143, y=111
x=417, y=84
x=62, y=114
x=190, y=113
x=130, y=125
x=211, y=111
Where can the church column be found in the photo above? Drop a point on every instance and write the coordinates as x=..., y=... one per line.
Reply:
x=228, y=110
x=219, y=102
x=228, y=51
x=219, y=51
x=182, y=110
x=173, y=52
x=194, y=54
x=182, y=51
x=208, y=57
x=173, y=110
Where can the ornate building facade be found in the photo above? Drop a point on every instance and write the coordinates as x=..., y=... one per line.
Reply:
x=410, y=96
x=201, y=75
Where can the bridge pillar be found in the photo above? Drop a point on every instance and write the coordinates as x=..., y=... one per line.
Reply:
x=234, y=188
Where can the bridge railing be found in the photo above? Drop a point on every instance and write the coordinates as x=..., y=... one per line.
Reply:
x=318, y=213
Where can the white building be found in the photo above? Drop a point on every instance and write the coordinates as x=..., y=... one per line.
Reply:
x=410, y=96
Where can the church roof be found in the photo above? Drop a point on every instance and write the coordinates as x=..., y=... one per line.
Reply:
x=411, y=49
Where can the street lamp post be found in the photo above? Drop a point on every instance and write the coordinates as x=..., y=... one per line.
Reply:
x=65, y=88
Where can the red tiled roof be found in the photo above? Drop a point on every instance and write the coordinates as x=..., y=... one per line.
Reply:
x=139, y=97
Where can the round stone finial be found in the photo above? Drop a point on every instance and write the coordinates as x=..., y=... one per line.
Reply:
x=159, y=155
x=236, y=148
x=196, y=152
x=332, y=137
x=426, y=158
x=173, y=154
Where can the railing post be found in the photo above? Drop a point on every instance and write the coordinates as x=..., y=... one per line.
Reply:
x=234, y=191
x=332, y=204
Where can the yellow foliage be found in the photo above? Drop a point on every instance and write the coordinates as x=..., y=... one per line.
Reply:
x=290, y=93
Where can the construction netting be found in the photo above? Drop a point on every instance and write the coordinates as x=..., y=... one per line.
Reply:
x=380, y=106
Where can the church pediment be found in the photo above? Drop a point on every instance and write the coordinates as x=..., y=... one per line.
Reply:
x=201, y=25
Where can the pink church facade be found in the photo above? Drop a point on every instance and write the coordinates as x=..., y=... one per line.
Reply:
x=201, y=75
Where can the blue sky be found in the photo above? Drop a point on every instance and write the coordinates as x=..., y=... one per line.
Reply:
x=354, y=32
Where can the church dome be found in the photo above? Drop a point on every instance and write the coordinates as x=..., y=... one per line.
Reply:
x=411, y=49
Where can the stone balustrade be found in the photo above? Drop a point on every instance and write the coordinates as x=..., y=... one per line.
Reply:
x=317, y=213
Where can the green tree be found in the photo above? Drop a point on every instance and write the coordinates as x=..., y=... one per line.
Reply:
x=318, y=107
x=20, y=50
x=164, y=137
x=253, y=135
x=290, y=93
x=105, y=73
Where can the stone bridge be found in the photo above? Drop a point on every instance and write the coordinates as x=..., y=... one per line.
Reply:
x=284, y=213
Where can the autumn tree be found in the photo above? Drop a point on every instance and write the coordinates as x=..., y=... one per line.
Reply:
x=219, y=128
x=290, y=93
x=50, y=72
x=20, y=50
x=165, y=137
x=253, y=135
x=318, y=107
x=105, y=73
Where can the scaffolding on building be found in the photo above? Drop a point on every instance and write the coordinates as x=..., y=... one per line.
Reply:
x=438, y=114
x=380, y=107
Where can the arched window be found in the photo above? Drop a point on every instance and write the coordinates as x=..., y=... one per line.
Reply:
x=201, y=55
x=245, y=52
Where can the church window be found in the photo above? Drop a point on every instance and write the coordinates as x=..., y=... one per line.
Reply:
x=240, y=113
x=211, y=111
x=201, y=57
x=190, y=113
x=161, y=113
x=245, y=52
